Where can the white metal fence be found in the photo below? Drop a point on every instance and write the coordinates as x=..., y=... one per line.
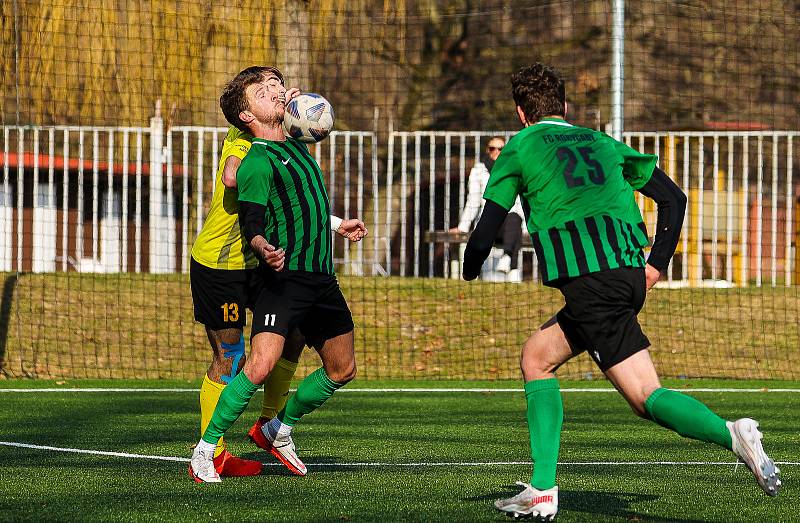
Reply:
x=101, y=199
x=64, y=201
x=741, y=219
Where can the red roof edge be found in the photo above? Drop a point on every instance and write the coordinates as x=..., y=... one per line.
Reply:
x=735, y=126
x=29, y=161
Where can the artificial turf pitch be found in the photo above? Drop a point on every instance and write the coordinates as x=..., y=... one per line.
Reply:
x=384, y=456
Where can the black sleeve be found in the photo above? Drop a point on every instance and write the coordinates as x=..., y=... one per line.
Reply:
x=252, y=219
x=526, y=210
x=671, y=205
x=482, y=238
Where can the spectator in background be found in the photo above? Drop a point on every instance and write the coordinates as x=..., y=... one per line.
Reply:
x=510, y=237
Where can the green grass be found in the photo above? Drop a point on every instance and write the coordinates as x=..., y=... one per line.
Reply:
x=390, y=428
x=71, y=325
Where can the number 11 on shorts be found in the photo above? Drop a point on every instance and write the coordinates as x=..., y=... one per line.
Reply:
x=269, y=320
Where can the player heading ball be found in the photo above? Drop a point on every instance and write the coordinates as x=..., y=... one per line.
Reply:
x=284, y=215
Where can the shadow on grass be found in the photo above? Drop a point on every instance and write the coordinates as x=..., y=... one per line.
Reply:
x=5, y=316
x=274, y=468
x=594, y=503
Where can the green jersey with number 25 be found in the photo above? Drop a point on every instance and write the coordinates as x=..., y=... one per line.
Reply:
x=578, y=184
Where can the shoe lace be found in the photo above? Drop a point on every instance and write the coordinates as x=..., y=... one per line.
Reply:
x=285, y=441
x=739, y=459
x=276, y=436
x=208, y=461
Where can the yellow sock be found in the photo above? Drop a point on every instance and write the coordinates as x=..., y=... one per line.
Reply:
x=276, y=388
x=209, y=396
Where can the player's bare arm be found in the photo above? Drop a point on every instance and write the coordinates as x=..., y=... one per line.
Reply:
x=232, y=164
x=353, y=229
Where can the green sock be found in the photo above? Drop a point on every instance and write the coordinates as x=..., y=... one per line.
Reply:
x=545, y=415
x=688, y=417
x=232, y=402
x=310, y=395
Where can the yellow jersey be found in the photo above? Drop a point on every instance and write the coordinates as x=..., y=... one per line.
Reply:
x=220, y=244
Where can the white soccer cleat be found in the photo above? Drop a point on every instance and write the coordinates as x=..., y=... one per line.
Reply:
x=201, y=467
x=746, y=440
x=282, y=447
x=539, y=504
x=504, y=264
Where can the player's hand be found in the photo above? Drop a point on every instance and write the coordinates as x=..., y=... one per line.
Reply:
x=294, y=92
x=453, y=230
x=274, y=257
x=352, y=229
x=651, y=275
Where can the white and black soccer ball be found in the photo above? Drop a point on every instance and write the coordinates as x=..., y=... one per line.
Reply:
x=308, y=118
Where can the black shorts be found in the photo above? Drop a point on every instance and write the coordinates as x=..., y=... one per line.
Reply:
x=600, y=314
x=221, y=296
x=309, y=301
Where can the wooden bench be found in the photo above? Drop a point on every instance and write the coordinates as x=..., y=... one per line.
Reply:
x=457, y=238
x=460, y=239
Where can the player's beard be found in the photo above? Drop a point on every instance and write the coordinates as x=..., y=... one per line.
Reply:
x=273, y=121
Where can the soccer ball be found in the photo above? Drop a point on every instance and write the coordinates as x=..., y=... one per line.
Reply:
x=308, y=118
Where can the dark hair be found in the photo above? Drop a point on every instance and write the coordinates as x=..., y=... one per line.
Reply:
x=539, y=91
x=233, y=100
x=493, y=138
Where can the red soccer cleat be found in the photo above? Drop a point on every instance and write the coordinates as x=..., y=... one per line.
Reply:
x=257, y=436
x=228, y=465
x=285, y=452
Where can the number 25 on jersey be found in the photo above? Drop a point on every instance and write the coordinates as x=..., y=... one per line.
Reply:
x=592, y=167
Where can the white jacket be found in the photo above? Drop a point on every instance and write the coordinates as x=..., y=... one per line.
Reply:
x=478, y=178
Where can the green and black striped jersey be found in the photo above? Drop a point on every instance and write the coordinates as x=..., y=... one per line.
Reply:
x=579, y=186
x=285, y=178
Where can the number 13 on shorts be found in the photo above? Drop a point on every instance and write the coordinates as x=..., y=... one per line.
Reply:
x=230, y=312
x=269, y=320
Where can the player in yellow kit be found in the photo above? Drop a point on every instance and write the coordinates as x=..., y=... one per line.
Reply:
x=225, y=282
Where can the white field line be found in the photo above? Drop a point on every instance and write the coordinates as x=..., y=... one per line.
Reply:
x=401, y=390
x=382, y=464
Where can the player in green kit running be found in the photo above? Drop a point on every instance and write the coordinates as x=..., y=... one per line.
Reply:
x=576, y=185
